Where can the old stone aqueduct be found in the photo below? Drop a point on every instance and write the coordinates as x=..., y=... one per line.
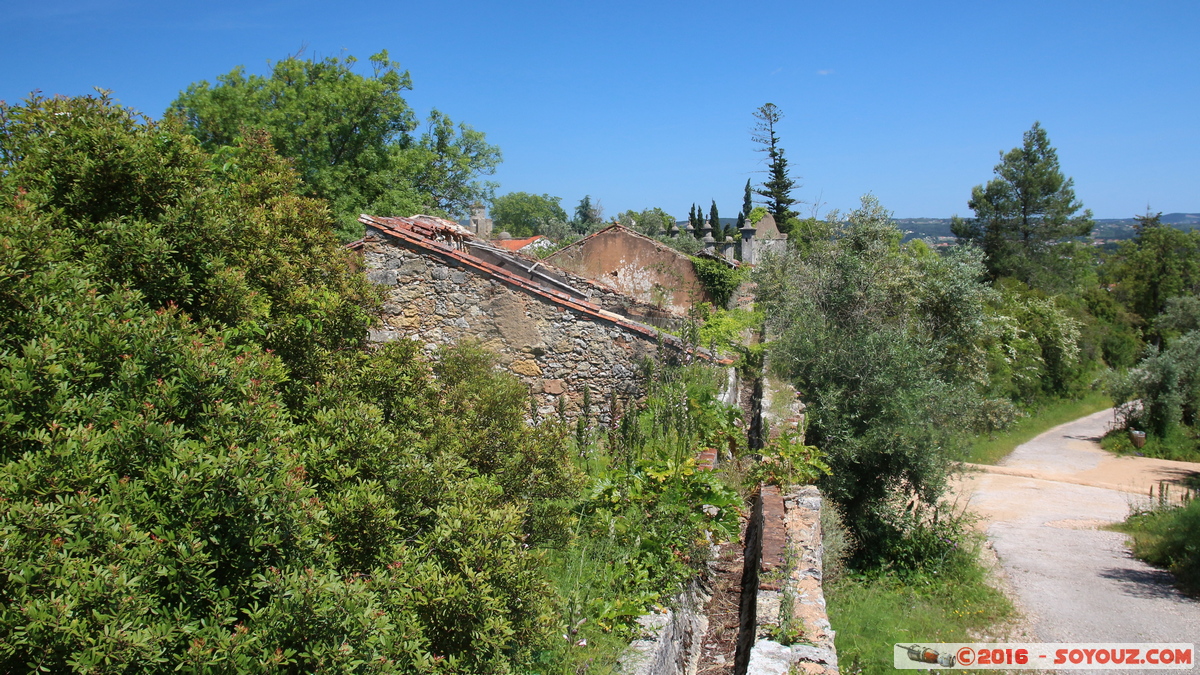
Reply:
x=585, y=319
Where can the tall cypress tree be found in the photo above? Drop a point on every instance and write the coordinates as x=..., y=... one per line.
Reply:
x=747, y=201
x=778, y=187
x=716, y=221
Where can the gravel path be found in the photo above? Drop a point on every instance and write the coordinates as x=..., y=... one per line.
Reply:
x=1042, y=507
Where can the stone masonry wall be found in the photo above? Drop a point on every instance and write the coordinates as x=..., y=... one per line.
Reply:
x=556, y=351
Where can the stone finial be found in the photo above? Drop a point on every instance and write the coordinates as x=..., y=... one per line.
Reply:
x=706, y=231
x=504, y=235
x=674, y=229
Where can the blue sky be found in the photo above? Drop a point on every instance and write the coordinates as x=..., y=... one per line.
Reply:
x=649, y=103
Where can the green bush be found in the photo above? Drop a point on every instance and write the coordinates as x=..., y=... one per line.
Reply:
x=200, y=467
x=718, y=279
x=1169, y=537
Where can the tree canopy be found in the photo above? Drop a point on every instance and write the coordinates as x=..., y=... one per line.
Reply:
x=522, y=214
x=352, y=137
x=873, y=334
x=1026, y=216
x=200, y=467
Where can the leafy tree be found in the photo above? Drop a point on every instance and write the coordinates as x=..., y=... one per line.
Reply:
x=1026, y=216
x=588, y=216
x=196, y=453
x=1158, y=264
x=777, y=189
x=523, y=215
x=878, y=337
x=652, y=222
x=351, y=137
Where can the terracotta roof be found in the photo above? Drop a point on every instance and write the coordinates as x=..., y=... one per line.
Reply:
x=517, y=244
x=447, y=243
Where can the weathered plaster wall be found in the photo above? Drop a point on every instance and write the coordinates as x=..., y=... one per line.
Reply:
x=636, y=266
x=557, y=352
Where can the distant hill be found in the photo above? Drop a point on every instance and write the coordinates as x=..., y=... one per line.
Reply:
x=1106, y=228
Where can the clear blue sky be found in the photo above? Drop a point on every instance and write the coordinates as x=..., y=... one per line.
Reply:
x=649, y=103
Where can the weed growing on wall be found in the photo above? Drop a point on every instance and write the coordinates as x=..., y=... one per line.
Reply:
x=648, y=518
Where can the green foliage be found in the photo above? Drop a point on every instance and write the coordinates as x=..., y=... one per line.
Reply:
x=1157, y=265
x=1032, y=346
x=351, y=137
x=523, y=215
x=682, y=242
x=226, y=240
x=714, y=219
x=879, y=340
x=787, y=460
x=719, y=280
x=652, y=222
x=992, y=444
x=777, y=189
x=201, y=468
x=1025, y=216
x=726, y=331
x=954, y=603
x=588, y=216
x=646, y=525
x=1162, y=393
x=1169, y=536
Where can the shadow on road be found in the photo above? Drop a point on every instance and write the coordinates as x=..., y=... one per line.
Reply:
x=1144, y=583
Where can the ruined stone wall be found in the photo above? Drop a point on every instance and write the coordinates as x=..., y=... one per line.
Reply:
x=556, y=351
x=636, y=266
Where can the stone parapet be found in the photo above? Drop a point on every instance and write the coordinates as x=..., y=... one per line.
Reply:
x=669, y=642
x=792, y=630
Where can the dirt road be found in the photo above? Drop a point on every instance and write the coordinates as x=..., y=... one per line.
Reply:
x=1042, y=508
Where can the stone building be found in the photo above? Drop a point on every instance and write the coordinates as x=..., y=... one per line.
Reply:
x=637, y=266
x=761, y=239
x=558, y=332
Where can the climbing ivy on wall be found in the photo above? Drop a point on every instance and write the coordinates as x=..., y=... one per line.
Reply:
x=719, y=280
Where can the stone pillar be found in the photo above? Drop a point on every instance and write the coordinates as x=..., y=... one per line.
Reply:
x=481, y=225
x=749, y=255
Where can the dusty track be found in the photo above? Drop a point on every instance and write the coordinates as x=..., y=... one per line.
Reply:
x=1041, y=509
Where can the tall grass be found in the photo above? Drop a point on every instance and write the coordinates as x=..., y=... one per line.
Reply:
x=871, y=612
x=991, y=448
x=1168, y=535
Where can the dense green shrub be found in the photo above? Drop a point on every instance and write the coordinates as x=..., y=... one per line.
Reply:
x=1169, y=536
x=718, y=279
x=200, y=469
x=880, y=340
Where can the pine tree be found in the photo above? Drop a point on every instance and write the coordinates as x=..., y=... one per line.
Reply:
x=778, y=187
x=1026, y=216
